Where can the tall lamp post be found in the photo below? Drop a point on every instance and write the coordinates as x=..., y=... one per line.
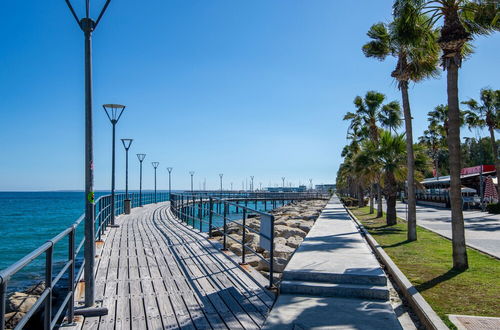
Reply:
x=220, y=176
x=114, y=112
x=141, y=159
x=283, y=180
x=169, y=169
x=311, y=183
x=155, y=166
x=126, y=203
x=191, y=173
x=251, y=183
x=87, y=25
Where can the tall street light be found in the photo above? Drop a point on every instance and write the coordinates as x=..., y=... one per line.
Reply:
x=155, y=166
x=283, y=179
x=169, y=169
x=251, y=183
x=87, y=25
x=126, y=203
x=141, y=159
x=114, y=112
x=220, y=176
x=191, y=173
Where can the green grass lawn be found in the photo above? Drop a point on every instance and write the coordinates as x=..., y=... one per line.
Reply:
x=428, y=265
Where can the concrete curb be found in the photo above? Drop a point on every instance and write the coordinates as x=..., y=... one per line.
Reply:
x=424, y=311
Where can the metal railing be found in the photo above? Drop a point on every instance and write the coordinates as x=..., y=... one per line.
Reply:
x=51, y=318
x=202, y=208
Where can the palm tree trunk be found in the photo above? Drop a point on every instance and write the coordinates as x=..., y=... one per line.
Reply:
x=494, y=149
x=410, y=162
x=457, y=219
x=379, y=201
x=391, y=210
x=371, y=199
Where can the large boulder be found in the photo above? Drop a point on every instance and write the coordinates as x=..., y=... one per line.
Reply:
x=286, y=232
x=21, y=302
x=294, y=241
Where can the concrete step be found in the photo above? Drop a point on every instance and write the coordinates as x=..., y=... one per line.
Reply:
x=379, y=292
x=373, y=277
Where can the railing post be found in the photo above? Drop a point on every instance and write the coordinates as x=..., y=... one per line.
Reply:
x=224, y=246
x=210, y=216
x=200, y=214
x=99, y=217
x=48, y=285
x=193, y=211
x=271, y=256
x=243, y=237
x=3, y=297
x=71, y=280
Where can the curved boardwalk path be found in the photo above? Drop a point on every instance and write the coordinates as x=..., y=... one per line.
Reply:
x=154, y=272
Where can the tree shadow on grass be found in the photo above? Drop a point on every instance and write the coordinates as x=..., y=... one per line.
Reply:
x=439, y=279
x=396, y=244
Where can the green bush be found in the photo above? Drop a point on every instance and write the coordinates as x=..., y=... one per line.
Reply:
x=493, y=208
x=349, y=201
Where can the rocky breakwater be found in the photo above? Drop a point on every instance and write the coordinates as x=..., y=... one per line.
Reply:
x=19, y=303
x=292, y=222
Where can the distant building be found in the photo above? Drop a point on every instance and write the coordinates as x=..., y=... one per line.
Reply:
x=287, y=189
x=325, y=187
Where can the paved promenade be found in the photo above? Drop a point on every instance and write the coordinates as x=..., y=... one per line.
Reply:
x=154, y=272
x=333, y=281
x=482, y=230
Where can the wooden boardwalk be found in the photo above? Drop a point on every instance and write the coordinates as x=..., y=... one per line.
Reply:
x=154, y=272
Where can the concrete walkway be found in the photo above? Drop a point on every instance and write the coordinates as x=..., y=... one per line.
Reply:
x=482, y=230
x=333, y=281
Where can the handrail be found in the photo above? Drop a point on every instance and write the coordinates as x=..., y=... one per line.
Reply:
x=102, y=213
x=195, y=206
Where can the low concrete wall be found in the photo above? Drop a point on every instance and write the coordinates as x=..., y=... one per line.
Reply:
x=424, y=311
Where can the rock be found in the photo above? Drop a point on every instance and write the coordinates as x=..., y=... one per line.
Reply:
x=294, y=223
x=306, y=226
x=279, y=264
x=281, y=221
x=279, y=240
x=252, y=260
x=12, y=319
x=21, y=302
x=283, y=251
x=294, y=241
x=286, y=232
x=36, y=289
x=263, y=265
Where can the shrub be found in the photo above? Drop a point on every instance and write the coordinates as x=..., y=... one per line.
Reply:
x=493, y=208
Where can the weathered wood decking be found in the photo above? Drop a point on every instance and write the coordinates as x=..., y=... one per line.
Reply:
x=156, y=273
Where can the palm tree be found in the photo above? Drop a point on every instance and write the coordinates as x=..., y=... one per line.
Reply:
x=462, y=20
x=486, y=114
x=410, y=40
x=438, y=119
x=433, y=140
x=370, y=114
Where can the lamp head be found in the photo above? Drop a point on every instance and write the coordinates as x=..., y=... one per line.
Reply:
x=169, y=169
x=191, y=173
x=113, y=111
x=155, y=164
x=141, y=157
x=221, y=175
x=127, y=143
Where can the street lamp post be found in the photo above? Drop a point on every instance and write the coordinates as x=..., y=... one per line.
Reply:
x=283, y=180
x=311, y=184
x=141, y=158
x=126, y=203
x=114, y=112
x=169, y=169
x=251, y=184
x=191, y=173
x=220, y=176
x=87, y=25
x=155, y=166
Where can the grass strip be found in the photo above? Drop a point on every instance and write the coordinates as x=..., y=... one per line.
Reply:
x=427, y=263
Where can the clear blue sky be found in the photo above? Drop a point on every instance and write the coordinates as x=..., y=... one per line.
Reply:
x=235, y=87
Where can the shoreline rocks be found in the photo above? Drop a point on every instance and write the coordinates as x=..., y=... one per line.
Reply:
x=292, y=222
